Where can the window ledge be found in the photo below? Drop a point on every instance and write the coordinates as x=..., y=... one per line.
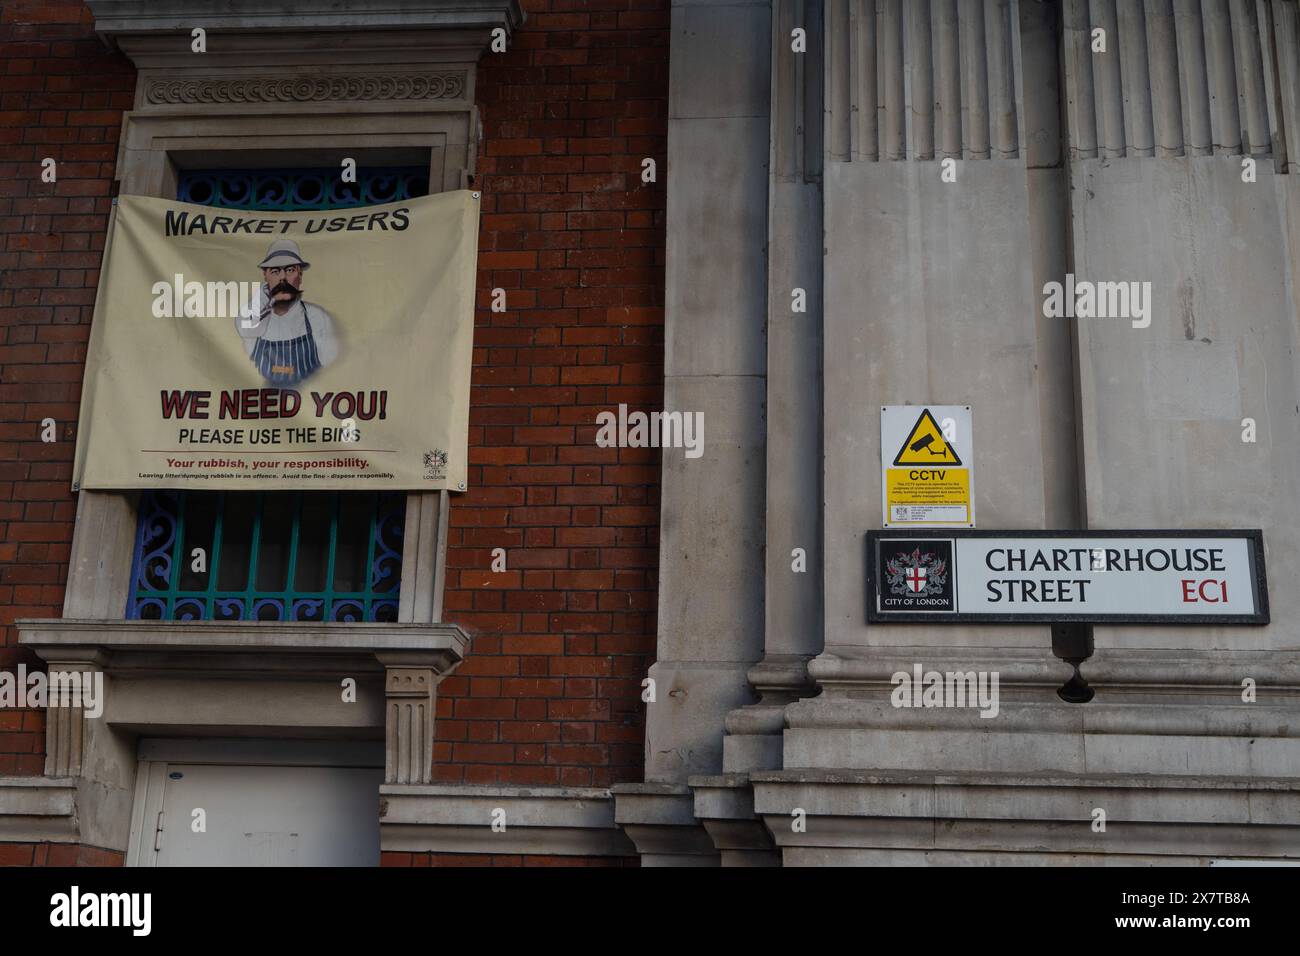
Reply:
x=118, y=645
x=248, y=678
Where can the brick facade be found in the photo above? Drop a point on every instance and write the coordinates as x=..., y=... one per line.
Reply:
x=62, y=95
x=58, y=854
x=550, y=692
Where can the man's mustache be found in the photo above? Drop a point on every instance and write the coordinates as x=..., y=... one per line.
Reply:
x=270, y=294
x=284, y=286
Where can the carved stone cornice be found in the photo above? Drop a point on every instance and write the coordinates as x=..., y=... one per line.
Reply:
x=446, y=84
x=114, y=17
x=248, y=34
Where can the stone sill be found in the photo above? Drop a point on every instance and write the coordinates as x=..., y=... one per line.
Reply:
x=244, y=646
x=658, y=804
x=843, y=668
x=981, y=818
x=38, y=810
x=910, y=778
x=550, y=821
x=994, y=804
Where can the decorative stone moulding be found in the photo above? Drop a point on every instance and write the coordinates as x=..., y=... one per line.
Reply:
x=158, y=670
x=254, y=34
x=304, y=89
x=116, y=17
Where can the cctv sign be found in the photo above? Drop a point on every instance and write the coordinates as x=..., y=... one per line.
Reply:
x=927, y=466
x=1135, y=577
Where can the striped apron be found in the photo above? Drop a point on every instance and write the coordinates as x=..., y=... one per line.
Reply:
x=290, y=361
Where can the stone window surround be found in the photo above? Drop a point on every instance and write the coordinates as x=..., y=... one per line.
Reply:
x=154, y=146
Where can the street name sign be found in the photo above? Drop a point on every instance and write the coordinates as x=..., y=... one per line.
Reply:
x=1136, y=577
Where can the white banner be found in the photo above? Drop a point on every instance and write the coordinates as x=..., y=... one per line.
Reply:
x=314, y=349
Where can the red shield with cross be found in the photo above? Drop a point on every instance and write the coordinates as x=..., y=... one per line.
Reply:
x=915, y=578
x=920, y=573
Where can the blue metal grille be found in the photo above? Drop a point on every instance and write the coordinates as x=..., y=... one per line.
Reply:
x=289, y=189
x=275, y=556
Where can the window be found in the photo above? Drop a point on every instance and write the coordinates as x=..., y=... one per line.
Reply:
x=268, y=556
x=285, y=189
x=274, y=556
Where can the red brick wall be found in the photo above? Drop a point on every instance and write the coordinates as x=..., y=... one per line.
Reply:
x=61, y=96
x=58, y=854
x=550, y=692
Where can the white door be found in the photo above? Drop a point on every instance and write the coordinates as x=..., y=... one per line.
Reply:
x=256, y=803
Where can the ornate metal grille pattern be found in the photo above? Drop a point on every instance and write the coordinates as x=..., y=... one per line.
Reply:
x=283, y=190
x=277, y=556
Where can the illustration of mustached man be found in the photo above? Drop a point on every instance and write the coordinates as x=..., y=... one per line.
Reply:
x=287, y=338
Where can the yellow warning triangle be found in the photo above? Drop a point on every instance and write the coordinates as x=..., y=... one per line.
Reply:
x=925, y=445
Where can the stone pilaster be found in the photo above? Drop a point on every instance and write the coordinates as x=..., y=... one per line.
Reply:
x=66, y=731
x=408, y=724
x=712, y=538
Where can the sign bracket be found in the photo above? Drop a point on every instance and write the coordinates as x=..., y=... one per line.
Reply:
x=1072, y=643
